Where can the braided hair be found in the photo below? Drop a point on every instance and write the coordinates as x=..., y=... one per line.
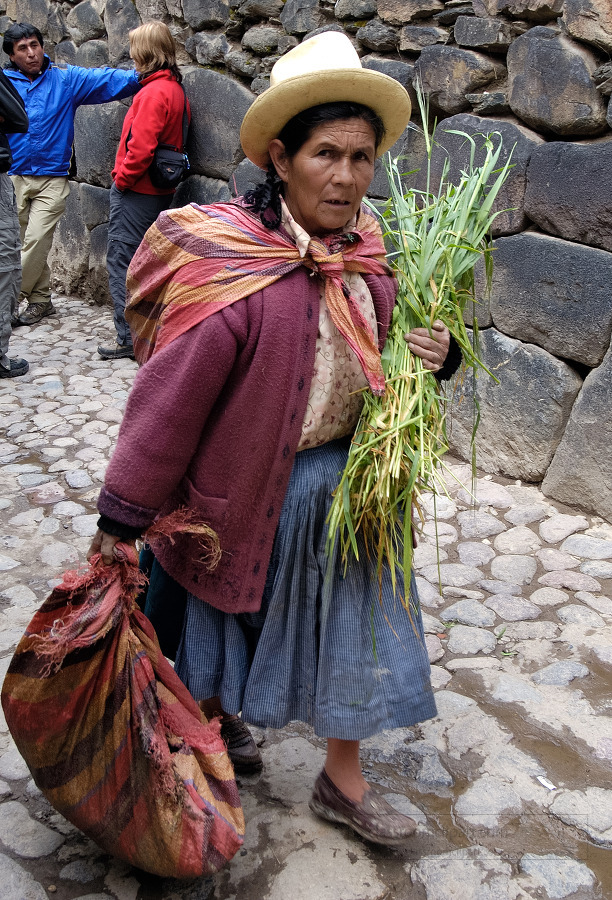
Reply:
x=265, y=198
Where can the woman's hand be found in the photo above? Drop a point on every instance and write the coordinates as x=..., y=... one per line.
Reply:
x=432, y=350
x=104, y=544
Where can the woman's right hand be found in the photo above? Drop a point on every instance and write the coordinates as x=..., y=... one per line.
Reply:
x=104, y=544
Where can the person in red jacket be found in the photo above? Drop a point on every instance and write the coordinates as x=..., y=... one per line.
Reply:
x=155, y=117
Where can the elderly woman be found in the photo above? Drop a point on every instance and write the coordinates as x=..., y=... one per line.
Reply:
x=158, y=115
x=260, y=323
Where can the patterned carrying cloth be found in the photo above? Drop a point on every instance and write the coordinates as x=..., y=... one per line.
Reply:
x=111, y=735
x=196, y=260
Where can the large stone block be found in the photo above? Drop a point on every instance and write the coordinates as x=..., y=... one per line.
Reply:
x=523, y=417
x=35, y=12
x=517, y=142
x=262, y=9
x=65, y=53
x=84, y=23
x=400, y=71
x=97, y=130
x=97, y=288
x=218, y=106
x=242, y=63
x=550, y=83
x=377, y=36
x=488, y=34
x=414, y=37
x=208, y=49
x=555, y=294
x=532, y=10
x=568, y=191
x=206, y=13
x=202, y=190
x=69, y=256
x=57, y=29
x=95, y=205
x=590, y=21
x=152, y=10
x=120, y=17
x=355, y=9
x=400, y=12
x=449, y=73
x=261, y=39
x=301, y=16
x=581, y=471
x=245, y=177
x=410, y=151
x=92, y=54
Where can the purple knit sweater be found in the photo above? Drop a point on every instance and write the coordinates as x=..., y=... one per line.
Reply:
x=213, y=422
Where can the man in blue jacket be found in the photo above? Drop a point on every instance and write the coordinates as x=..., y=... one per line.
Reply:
x=41, y=157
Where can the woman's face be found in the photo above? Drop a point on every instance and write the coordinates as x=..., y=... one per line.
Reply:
x=326, y=179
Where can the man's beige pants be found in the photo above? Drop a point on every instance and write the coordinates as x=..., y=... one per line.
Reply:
x=41, y=200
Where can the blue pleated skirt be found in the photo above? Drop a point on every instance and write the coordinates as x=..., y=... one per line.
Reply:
x=320, y=650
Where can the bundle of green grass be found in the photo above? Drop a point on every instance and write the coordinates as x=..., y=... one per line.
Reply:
x=396, y=452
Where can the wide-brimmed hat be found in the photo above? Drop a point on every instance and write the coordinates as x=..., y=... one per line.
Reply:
x=322, y=69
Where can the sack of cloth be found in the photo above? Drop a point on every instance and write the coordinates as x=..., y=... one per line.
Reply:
x=111, y=735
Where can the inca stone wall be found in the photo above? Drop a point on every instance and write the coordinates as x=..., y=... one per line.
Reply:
x=535, y=71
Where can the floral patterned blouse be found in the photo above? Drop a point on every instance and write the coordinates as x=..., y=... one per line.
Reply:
x=335, y=399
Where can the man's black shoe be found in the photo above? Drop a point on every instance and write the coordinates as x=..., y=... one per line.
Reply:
x=117, y=351
x=17, y=367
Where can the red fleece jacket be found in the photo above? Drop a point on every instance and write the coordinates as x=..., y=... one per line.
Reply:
x=213, y=422
x=155, y=117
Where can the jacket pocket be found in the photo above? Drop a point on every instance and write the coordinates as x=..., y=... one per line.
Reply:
x=206, y=509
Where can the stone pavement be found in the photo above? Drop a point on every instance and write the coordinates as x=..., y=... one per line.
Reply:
x=511, y=784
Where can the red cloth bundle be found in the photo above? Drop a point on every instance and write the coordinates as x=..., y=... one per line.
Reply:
x=111, y=735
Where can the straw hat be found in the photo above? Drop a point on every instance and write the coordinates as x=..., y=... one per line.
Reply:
x=323, y=69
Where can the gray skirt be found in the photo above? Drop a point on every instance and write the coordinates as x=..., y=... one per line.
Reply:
x=320, y=650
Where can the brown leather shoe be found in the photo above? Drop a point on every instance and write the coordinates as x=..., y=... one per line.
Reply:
x=374, y=819
x=241, y=748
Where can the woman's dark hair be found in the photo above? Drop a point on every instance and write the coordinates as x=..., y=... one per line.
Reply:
x=265, y=197
x=17, y=33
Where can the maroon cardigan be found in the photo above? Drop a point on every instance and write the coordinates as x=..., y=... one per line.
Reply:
x=213, y=422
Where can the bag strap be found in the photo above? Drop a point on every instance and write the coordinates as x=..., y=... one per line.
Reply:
x=185, y=120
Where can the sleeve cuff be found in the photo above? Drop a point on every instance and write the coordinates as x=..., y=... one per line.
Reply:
x=452, y=361
x=118, y=529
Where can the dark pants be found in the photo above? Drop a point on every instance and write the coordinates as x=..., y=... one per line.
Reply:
x=163, y=603
x=131, y=214
x=10, y=263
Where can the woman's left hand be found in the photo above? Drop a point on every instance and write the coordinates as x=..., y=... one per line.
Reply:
x=432, y=349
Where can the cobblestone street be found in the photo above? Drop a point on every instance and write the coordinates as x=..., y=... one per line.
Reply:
x=511, y=785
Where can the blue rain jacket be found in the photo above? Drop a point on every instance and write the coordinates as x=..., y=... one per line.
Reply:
x=51, y=101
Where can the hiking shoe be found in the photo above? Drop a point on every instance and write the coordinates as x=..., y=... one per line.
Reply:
x=374, y=819
x=241, y=748
x=35, y=312
x=117, y=351
x=17, y=367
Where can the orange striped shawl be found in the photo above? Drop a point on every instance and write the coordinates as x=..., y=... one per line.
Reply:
x=197, y=260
